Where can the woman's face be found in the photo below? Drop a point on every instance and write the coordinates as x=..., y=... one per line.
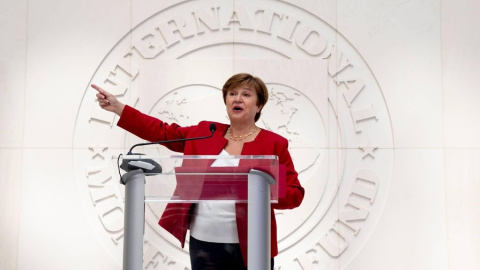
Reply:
x=241, y=104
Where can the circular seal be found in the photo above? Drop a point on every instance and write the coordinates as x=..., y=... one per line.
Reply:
x=323, y=98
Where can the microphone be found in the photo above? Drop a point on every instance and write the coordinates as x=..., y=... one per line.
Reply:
x=149, y=165
x=213, y=128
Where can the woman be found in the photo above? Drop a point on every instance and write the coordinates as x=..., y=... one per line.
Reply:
x=218, y=232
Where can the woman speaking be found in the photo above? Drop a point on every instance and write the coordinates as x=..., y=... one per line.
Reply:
x=218, y=231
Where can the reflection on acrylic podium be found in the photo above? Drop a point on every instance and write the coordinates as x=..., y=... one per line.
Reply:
x=257, y=181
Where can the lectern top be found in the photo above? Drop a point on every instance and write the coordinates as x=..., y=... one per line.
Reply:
x=184, y=178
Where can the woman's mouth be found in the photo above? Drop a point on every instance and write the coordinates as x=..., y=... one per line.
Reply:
x=237, y=108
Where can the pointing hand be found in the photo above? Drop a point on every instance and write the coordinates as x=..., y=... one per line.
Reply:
x=108, y=101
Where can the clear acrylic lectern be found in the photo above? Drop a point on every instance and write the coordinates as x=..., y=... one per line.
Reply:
x=178, y=179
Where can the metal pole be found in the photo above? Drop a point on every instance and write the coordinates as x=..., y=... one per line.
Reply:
x=259, y=220
x=134, y=219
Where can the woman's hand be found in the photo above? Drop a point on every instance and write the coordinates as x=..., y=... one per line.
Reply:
x=108, y=101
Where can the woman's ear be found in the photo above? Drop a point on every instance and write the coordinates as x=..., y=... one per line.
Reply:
x=259, y=108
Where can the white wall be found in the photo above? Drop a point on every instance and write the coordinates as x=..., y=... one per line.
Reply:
x=422, y=54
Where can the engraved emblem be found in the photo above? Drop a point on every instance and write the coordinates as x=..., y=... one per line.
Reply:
x=323, y=98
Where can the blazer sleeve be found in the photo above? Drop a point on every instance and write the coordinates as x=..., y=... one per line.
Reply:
x=294, y=192
x=152, y=129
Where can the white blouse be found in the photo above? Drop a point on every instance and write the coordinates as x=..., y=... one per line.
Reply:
x=215, y=221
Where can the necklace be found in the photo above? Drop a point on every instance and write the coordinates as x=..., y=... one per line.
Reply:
x=241, y=137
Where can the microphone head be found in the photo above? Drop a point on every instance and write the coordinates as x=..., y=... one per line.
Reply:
x=213, y=127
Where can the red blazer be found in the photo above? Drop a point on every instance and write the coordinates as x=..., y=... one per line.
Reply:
x=176, y=217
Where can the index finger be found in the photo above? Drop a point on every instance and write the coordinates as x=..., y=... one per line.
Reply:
x=96, y=87
x=100, y=90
